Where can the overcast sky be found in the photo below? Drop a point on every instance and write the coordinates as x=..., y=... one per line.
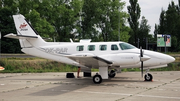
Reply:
x=151, y=9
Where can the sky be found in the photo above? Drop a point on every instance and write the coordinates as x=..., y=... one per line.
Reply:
x=151, y=10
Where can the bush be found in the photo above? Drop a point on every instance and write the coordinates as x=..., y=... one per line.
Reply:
x=15, y=65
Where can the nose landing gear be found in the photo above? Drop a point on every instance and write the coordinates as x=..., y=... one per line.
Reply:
x=148, y=76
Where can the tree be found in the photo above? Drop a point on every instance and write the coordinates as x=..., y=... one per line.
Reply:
x=171, y=19
x=65, y=18
x=169, y=24
x=7, y=9
x=156, y=32
x=101, y=20
x=61, y=19
x=29, y=10
x=134, y=11
x=162, y=22
x=143, y=31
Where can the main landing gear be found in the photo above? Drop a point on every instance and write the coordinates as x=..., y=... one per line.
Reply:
x=97, y=79
x=112, y=74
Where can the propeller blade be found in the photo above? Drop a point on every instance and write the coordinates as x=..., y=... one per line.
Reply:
x=141, y=55
x=142, y=68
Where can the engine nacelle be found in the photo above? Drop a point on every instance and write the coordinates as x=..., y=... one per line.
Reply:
x=123, y=58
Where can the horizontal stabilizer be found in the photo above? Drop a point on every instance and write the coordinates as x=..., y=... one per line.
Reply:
x=15, y=36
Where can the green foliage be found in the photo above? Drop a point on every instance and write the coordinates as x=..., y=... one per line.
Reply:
x=33, y=65
x=99, y=20
x=134, y=11
x=6, y=27
x=107, y=16
x=18, y=65
x=143, y=32
x=169, y=24
x=43, y=27
x=139, y=32
x=170, y=67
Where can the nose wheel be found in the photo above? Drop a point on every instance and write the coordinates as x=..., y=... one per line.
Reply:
x=148, y=77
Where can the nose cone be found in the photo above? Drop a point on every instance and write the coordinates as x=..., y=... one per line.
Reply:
x=170, y=59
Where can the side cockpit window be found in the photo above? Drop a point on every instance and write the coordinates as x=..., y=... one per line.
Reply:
x=125, y=46
x=80, y=48
x=114, y=47
x=103, y=47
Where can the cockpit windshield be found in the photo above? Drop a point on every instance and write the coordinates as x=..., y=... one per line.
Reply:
x=125, y=46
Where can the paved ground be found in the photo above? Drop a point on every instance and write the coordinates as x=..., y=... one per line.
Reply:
x=127, y=86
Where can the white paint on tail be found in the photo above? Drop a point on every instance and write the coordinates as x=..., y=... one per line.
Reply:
x=25, y=29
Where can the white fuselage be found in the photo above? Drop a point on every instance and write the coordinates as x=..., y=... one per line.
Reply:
x=124, y=58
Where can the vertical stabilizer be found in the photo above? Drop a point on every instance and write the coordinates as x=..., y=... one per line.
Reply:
x=25, y=29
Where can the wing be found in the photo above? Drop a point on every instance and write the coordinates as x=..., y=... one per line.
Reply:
x=90, y=60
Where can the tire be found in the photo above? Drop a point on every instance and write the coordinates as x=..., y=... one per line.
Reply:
x=112, y=74
x=97, y=79
x=148, y=78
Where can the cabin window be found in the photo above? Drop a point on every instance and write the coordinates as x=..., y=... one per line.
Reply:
x=114, y=47
x=125, y=46
x=91, y=47
x=102, y=47
x=80, y=48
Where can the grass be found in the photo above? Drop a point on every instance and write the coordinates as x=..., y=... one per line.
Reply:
x=34, y=65
x=170, y=67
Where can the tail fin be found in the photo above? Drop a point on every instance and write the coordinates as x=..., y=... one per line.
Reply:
x=26, y=34
x=23, y=27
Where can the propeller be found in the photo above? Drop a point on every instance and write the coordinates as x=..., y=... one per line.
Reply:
x=141, y=55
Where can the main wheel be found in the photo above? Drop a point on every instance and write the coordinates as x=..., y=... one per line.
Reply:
x=97, y=79
x=148, y=77
x=112, y=74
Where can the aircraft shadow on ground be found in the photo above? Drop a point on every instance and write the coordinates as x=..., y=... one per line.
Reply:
x=63, y=86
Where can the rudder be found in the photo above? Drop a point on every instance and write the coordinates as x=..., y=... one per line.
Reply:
x=25, y=29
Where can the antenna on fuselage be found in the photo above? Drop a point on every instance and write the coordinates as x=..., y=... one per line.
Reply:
x=71, y=41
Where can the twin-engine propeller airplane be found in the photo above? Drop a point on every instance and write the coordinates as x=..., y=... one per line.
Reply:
x=108, y=57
